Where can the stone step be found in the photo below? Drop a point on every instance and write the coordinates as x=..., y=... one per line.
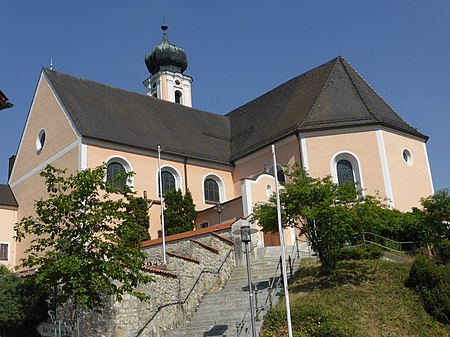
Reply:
x=220, y=311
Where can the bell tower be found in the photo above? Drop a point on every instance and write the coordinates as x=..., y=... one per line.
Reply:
x=166, y=64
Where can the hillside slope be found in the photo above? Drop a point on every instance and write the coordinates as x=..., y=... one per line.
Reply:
x=364, y=298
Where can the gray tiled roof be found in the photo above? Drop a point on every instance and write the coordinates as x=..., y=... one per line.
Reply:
x=330, y=96
x=102, y=112
x=6, y=196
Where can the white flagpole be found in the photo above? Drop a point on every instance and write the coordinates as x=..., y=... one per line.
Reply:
x=162, y=206
x=283, y=254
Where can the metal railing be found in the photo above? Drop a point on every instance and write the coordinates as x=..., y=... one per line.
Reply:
x=389, y=244
x=274, y=287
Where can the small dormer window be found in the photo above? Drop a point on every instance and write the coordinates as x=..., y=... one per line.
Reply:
x=155, y=95
x=178, y=96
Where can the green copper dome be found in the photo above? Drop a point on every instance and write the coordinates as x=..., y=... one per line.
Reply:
x=166, y=56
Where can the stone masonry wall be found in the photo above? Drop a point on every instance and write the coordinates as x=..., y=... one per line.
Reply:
x=174, y=294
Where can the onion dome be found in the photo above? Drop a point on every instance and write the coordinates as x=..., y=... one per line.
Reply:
x=166, y=56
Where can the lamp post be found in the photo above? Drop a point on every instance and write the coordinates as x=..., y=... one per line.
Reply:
x=245, y=231
x=219, y=209
x=161, y=198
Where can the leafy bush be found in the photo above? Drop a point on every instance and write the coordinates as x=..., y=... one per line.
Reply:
x=361, y=252
x=443, y=250
x=432, y=282
x=21, y=301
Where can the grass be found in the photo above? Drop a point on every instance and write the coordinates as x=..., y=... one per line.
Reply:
x=364, y=298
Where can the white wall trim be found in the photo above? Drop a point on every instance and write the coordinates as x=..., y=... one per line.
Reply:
x=385, y=168
x=304, y=153
x=152, y=153
x=247, y=199
x=428, y=167
x=83, y=157
x=246, y=191
x=369, y=128
x=42, y=165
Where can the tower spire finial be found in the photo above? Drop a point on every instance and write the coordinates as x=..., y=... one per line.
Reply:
x=164, y=27
x=51, y=63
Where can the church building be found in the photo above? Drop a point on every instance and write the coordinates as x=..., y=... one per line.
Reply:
x=329, y=120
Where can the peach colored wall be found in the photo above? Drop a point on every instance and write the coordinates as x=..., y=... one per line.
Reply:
x=145, y=179
x=321, y=150
x=33, y=189
x=409, y=183
x=45, y=113
x=231, y=212
x=259, y=189
x=8, y=217
x=287, y=153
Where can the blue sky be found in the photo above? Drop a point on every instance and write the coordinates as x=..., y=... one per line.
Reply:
x=237, y=50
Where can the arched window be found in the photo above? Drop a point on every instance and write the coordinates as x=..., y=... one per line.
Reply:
x=345, y=166
x=171, y=179
x=204, y=224
x=212, y=192
x=344, y=170
x=280, y=174
x=178, y=96
x=268, y=190
x=113, y=169
x=118, y=165
x=168, y=182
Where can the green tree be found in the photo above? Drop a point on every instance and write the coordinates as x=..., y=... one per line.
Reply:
x=436, y=214
x=436, y=218
x=327, y=213
x=179, y=213
x=84, y=242
x=138, y=208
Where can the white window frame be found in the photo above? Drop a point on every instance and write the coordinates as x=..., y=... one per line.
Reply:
x=356, y=167
x=9, y=251
x=176, y=174
x=410, y=161
x=219, y=182
x=125, y=163
x=39, y=143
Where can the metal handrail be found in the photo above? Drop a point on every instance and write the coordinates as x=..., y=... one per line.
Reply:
x=275, y=284
x=363, y=233
x=158, y=309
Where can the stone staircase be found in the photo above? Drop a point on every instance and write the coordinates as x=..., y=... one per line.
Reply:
x=223, y=312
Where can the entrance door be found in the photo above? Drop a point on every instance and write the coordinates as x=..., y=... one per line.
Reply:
x=271, y=239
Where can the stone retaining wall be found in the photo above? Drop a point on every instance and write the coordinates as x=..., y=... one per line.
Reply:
x=174, y=296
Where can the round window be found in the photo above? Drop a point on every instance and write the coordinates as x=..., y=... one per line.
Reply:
x=407, y=157
x=40, y=140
